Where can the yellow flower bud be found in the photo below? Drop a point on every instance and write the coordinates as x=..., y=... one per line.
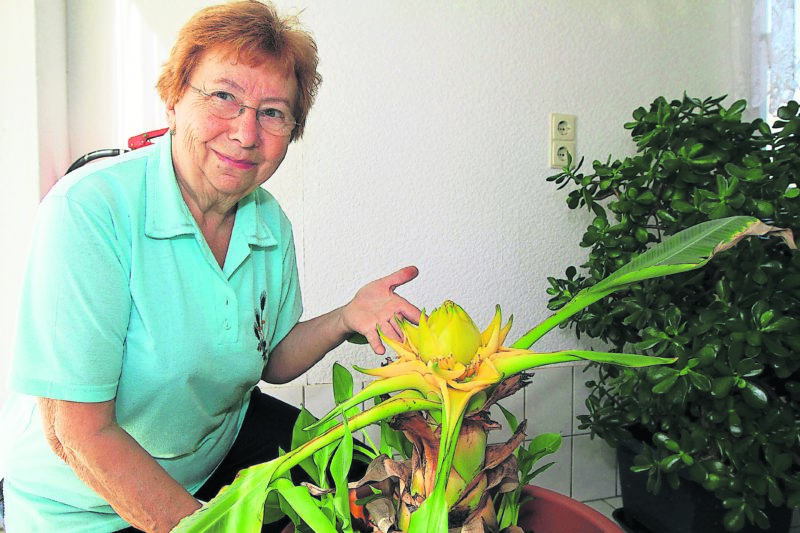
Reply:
x=448, y=331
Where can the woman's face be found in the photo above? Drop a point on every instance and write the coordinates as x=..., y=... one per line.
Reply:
x=222, y=160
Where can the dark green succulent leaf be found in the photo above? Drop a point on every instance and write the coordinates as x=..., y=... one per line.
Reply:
x=720, y=387
x=734, y=519
x=754, y=396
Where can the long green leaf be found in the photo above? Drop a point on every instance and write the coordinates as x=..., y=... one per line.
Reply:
x=376, y=388
x=342, y=383
x=238, y=506
x=684, y=251
x=301, y=434
x=340, y=467
x=304, y=505
x=519, y=363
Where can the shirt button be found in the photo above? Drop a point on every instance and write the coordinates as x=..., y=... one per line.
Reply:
x=226, y=324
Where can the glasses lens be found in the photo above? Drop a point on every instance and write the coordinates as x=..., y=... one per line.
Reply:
x=278, y=126
x=223, y=105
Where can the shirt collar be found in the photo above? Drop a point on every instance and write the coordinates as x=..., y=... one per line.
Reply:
x=166, y=213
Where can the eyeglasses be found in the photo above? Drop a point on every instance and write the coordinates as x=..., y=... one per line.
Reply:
x=277, y=120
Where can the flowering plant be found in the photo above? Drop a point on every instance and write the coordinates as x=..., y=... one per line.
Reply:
x=442, y=475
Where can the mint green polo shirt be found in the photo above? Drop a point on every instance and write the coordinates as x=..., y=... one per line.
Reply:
x=124, y=300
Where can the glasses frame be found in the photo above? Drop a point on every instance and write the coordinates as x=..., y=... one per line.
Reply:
x=286, y=131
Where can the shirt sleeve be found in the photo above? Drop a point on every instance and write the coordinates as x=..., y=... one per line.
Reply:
x=75, y=305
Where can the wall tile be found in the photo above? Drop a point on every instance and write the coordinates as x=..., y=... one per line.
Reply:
x=548, y=401
x=581, y=374
x=594, y=470
x=291, y=394
x=318, y=399
x=515, y=404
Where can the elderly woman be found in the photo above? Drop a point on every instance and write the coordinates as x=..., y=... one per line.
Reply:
x=136, y=365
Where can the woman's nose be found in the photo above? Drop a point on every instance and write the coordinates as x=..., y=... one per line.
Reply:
x=245, y=127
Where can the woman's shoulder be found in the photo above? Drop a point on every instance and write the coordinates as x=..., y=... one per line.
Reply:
x=270, y=216
x=104, y=181
x=269, y=208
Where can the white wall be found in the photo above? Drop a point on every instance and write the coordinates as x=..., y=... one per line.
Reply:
x=17, y=136
x=428, y=143
x=32, y=138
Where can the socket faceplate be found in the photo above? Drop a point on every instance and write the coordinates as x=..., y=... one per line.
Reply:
x=563, y=138
x=562, y=127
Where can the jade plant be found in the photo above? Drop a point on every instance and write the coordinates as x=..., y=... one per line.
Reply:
x=727, y=413
x=442, y=474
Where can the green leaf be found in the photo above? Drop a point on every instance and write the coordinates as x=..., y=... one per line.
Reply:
x=357, y=338
x=700, y=381
x=754, y=396
x=668, y=443
x=684, y=251
x=783, y=324
x=734, y=519
x=303, y=504
x=666, y=384
x=511, y=420
x=544, y=445
x=240, y=509
x=712, y=482
x=340, y=467
x=301, y=436
x=720, y=387
x=670, y=463
x=241, y=505
x=514, y=365
x=735, y=111
x=342, y=384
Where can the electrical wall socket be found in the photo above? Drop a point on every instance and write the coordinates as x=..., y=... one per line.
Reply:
x=559, y=153
x=563, y=127
x=563, y=138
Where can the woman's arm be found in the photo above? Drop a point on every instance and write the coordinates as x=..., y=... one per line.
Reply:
x=375, y=304
x=86, y=436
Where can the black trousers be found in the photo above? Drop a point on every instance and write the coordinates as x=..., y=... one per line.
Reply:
x=267, y=426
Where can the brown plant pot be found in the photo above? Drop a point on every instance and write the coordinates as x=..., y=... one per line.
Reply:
x=551, y=512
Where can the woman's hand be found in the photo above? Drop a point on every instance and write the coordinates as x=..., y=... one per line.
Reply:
x=376, y=306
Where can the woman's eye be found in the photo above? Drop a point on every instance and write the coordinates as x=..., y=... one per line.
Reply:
x=271, y=112
x=222, y=95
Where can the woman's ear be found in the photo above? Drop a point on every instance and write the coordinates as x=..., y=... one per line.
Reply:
x=171, y=117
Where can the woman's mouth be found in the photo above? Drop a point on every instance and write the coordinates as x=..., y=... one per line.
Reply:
x=243, y=164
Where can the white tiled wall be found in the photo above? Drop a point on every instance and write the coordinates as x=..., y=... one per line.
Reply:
x=585, y=468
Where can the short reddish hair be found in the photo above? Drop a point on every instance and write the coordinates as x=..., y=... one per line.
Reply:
x=249, y=30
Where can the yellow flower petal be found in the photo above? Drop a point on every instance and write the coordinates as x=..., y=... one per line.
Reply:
x=506, y=329
x=492, y=328
x=397, y=368
x=447, y=368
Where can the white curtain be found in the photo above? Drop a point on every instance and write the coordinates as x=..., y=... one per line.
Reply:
x=782, y=72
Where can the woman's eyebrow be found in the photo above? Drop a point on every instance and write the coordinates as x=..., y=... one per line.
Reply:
x=238, y=88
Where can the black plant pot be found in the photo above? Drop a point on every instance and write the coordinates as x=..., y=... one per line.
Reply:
x=689, y=509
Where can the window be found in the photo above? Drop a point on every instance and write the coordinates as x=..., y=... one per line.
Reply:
x=781, y=39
